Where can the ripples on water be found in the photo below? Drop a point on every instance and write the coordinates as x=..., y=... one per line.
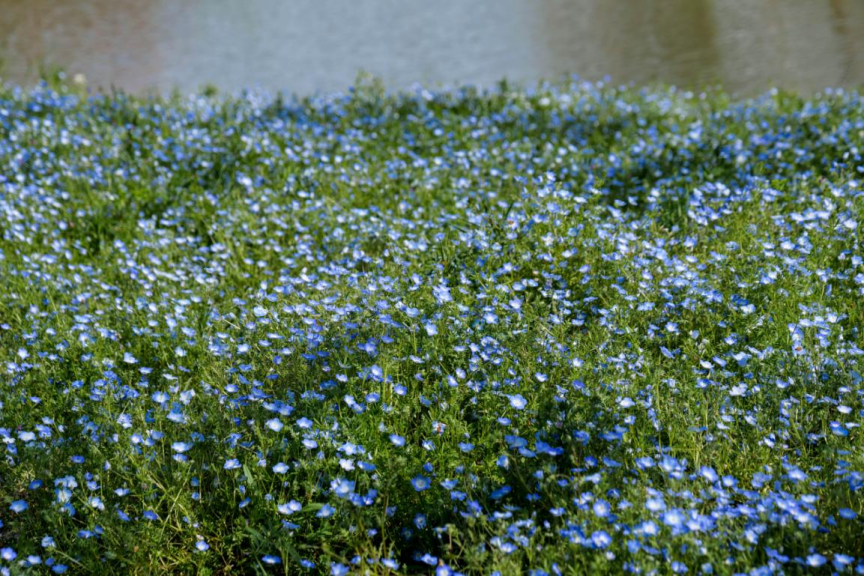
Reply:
x=320, y=45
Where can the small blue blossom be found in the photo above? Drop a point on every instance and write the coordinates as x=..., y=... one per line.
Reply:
x=420, y=483
x=326, y=511
x=518, y=402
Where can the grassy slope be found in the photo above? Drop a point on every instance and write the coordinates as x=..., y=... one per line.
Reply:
x=671, y=282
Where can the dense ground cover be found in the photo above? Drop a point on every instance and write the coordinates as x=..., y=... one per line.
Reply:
x=566, y=329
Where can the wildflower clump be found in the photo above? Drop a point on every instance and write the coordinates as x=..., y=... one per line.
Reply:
x=559, y=330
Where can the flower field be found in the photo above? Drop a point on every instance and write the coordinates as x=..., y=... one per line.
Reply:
x=565, y=329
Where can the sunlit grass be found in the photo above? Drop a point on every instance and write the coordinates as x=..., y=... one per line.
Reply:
x=565, y=329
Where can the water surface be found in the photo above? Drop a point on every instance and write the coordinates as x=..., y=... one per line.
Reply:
x=303, y=46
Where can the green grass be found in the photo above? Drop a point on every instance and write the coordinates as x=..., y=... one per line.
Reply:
x=647, y=359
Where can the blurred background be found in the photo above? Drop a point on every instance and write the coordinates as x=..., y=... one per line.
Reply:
x=307, y=46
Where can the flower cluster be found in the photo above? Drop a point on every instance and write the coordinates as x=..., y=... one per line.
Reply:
x=548, y=330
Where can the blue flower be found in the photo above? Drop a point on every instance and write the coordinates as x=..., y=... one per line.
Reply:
x=420, y=483
x=304, y=423
x=177, y=417
x=816, y=560
x=518, y=402
x=601, y=539
x=342, y=487
x=326, y=511
x=601, y=508
x=290, y=507
x=847, y=513
x=181, y=447
x=429, y=559
x=499, y=493
x=274, y=424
